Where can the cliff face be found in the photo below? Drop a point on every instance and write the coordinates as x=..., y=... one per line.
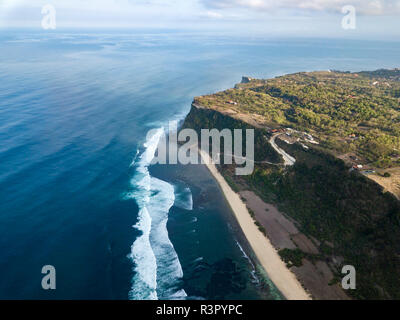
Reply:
x=347, y=216
x=204, y=118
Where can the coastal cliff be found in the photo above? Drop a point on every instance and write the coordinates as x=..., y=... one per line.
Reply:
x=205, y=118
x=330, y=214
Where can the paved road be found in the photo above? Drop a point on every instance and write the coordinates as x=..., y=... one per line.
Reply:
x=288, y=159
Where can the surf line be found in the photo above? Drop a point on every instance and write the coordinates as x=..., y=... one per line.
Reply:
x=157, y=266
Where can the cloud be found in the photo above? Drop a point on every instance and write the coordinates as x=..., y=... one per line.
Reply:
x=366, y=7
x=211, y=15
x=103, y=13
x=238, y=16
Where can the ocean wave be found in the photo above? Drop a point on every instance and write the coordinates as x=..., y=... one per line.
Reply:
x=135, y=157
x=169, y=270
x=183, y=197
x=158, y=272
x=253, y=268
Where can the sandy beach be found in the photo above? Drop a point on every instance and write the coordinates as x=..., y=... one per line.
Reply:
x=266, y=254
x=283, y=234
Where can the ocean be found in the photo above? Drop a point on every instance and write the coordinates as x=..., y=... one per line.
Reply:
x=77, y=190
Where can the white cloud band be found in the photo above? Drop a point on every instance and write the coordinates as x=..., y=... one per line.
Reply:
x=367, y=7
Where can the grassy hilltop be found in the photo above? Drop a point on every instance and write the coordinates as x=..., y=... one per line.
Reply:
x=348, y=112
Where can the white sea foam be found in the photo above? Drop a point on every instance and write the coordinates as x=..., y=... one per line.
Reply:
x=183, y=198
x=253, y=268
x=135, y=157
x=158, y=272
x=169, y=271
x=145, y=280
x=198, y=259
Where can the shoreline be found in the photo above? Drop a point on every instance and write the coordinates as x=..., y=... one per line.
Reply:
x=268, y=257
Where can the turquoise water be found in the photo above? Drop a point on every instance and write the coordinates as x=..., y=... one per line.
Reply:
x=76, y=189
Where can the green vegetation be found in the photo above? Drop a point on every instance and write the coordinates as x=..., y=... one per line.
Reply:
x=231, y=183
x=258, y=224
x=347, y=112
x=292, y=257
x=251, y=212
x=261, y=228
x=344, y=208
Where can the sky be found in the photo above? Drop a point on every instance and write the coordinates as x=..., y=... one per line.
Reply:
x=374, y=18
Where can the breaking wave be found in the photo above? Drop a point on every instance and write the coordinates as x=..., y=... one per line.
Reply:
x=183, y=197
x=158, y=272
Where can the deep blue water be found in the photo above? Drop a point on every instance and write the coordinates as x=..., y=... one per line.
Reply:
x=75, y=189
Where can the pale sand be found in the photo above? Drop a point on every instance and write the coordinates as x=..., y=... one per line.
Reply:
x=266, y=254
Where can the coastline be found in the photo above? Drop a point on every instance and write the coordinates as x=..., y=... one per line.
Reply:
x=268, y=257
